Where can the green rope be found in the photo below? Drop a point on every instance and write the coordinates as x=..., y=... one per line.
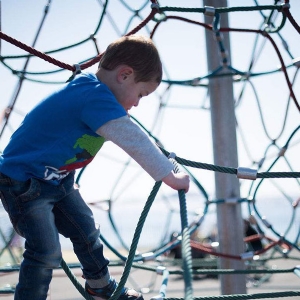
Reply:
x=245, y=296
x=135, y=240
x=232, y=271
x=74, y=280
x=185, y=243
x=229, y=170
x=7, y=290
x=199, y=263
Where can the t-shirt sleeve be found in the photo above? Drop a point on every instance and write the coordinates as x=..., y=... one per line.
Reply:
x=128, y=136
x=99, y=108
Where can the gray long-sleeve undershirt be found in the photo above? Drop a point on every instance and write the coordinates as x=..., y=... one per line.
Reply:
x=129, y=137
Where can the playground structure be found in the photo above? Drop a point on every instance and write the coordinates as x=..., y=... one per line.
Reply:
x=271, y=167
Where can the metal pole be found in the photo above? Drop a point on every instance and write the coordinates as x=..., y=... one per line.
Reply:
x=229, y=215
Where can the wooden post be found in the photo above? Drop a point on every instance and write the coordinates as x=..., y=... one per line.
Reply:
x=229, y=215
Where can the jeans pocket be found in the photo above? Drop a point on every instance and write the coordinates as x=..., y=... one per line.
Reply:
x=32, y=192
x=25, y=191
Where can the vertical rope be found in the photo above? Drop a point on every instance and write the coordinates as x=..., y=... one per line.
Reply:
x=185, y=243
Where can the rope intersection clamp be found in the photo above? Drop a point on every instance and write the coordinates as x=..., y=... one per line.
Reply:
x=155, y=6
x=296, y=62
x=265, y=222
x=172, y=155
x=148, y=256
x=297, y=270
x=75, y=72
x=282, y=151
x=246, y=173
x=209, y=11
x=160, y=270
x=162, y=17
x=231, y=200
x=285, y=5
x=247, y=255
x=77, y=69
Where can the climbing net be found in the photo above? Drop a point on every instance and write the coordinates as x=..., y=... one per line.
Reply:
x=264, y=71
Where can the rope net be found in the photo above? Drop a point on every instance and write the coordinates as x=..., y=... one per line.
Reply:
x=262, y=61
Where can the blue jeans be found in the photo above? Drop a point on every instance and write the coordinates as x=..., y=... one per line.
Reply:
x=40, y=211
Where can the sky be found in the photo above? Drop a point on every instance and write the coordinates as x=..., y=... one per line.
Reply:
x=177, y=115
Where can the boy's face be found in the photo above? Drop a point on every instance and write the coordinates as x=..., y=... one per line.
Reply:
x=132, y=92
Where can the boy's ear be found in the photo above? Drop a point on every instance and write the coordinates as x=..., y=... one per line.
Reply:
x=124, y=73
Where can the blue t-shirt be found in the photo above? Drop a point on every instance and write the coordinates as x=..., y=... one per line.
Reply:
x=58, y=135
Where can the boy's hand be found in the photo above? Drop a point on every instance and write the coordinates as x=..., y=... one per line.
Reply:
x=177, y=181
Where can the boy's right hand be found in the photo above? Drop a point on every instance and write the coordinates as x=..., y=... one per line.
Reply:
x=177, y=181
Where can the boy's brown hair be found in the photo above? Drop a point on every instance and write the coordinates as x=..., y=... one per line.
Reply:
x=139, y=53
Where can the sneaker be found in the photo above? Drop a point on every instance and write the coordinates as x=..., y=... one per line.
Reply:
x=106, y=292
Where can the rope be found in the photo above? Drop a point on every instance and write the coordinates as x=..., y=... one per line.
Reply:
x=245, y=296
x=223, y=9
x=135, y=240
x=229, y=170
x=185, y=244
x=262, y=32
x=60, y=64
x=286, y=11
x=74, y=280
x=199, y=263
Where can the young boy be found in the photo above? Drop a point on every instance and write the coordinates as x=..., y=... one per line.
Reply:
x=63, y=133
